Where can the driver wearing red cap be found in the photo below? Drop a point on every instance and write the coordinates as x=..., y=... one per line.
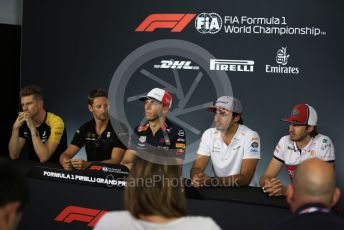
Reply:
x=302, y=143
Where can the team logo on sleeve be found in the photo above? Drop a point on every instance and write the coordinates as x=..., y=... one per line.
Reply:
x=142, y=139
x=181, y=133
x=254, y=147
x=254, y=144
x=324, y=147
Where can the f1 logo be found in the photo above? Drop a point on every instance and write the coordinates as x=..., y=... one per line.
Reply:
x=96, y=167
x=74, y=213
x=177, y=22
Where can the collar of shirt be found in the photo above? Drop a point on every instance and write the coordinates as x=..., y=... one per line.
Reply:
x=311, y=208
x=106, y=130
x=307, y=147
x=146, y=129
x=235, y=138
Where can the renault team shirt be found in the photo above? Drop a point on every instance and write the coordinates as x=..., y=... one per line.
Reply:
x=288, y=153
x=51, y=129
x=227, y=159
x=143, y=138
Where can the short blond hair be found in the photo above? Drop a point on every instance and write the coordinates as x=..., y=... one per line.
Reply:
x=34, y=90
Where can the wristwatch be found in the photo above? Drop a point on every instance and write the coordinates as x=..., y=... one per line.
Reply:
x=35, y=134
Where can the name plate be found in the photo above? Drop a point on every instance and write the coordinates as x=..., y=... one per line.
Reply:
x=96, y=175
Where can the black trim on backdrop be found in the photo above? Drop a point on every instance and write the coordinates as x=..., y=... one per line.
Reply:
x=10, y=40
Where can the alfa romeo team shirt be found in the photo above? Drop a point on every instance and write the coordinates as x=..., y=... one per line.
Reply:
x=288, y=153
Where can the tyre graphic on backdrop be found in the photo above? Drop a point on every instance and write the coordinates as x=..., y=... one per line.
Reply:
x=182, y=68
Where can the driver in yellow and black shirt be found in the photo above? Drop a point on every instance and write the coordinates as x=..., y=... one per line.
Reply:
x=36, y=134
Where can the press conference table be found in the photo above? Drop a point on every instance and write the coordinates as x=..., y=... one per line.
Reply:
x=78, y=205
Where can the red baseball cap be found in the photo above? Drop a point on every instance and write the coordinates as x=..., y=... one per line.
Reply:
x=302, y=114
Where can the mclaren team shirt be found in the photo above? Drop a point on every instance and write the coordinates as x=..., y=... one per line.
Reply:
x=227, y=159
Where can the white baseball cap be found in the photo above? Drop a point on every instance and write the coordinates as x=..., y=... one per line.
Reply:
x=160, y=95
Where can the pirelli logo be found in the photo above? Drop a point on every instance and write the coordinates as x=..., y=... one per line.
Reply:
x=232, y=65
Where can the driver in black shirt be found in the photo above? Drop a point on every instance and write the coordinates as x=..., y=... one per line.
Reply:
x=97, y=135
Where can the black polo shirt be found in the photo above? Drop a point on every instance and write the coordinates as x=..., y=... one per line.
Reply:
x=143, y=138
x=98, y=148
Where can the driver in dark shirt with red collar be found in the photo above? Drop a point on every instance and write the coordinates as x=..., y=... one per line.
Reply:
x=155, y=130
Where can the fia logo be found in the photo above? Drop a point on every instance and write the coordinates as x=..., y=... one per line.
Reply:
x=282, y=56
x=208, y=23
